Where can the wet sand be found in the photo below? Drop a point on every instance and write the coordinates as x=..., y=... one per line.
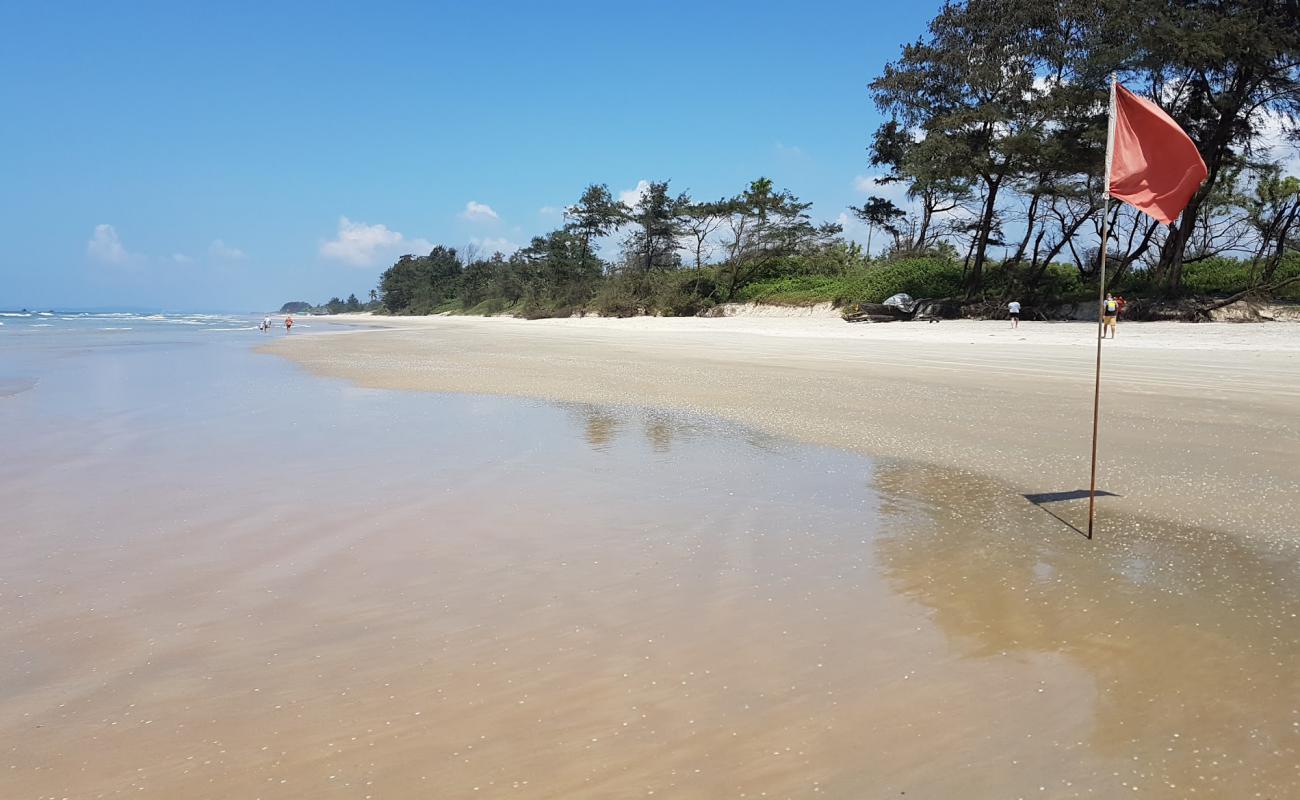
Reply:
x=224, y=577
x=1201, y=423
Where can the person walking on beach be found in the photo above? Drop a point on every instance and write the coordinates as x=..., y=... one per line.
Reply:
x=266, y=324
x=1013, y=308
x=1109, y=311
x=288, y=324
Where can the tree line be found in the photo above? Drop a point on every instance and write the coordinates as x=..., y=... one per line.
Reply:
x=995, y=132
x=997, y=129
x=677, y=255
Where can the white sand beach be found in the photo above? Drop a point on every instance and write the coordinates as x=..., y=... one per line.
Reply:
x=1201, y=423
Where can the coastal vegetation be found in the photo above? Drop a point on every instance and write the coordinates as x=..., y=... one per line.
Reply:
x=988, y=169
x=333, y=306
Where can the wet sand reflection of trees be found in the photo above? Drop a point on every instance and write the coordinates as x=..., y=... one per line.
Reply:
x=659, y=429
x=1193, y=638
x=601, y=426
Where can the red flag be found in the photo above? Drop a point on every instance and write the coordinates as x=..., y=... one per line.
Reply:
x=1154, y=166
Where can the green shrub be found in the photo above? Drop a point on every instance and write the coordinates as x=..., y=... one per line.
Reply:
x=703, y=283
x=489, y=307
x=541, y=309
x=793, y=290
x=1135, y=282
x=679, y=303
x=674, y=293
x=1216, y=276
x=616, y=299
x=1290, y=267
x=919, y=277
x=1062, y=282
x=835, y=273
x=1223, y=276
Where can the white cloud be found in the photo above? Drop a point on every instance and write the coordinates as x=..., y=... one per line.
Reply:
x=1273, y=137
x=478, y=212
x=494, y=245
x=630, y=197
x=854, y=230
x=104, y=245
x=894, y=191
x=220, y=250
x=864, y=183
x=790, y=150
x=181, y=258
x=362, y=245
x=550, y=211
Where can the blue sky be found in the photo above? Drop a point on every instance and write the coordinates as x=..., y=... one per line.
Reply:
x=233, y=156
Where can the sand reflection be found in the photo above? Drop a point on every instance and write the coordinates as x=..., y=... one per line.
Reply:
x=1192, y=638
x=599, y=426
x=585, y=602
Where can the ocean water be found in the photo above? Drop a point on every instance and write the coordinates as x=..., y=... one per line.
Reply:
x=221, y=577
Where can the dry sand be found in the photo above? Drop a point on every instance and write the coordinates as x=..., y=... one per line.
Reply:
x=1201, y=423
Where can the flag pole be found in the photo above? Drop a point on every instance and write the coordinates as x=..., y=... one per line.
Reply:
x=1101, y=299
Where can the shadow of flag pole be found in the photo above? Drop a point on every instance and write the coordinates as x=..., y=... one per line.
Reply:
x=1154, y=166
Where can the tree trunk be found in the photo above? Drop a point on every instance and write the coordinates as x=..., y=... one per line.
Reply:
x=1055, y=250
x=1171, y=254
x=927, y=211
x=1280, y=250
x=1175, y=244
x=1202, y=313
x=1029, y=232
x=976, y=276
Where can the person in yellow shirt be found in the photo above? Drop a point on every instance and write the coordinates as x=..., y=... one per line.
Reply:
x=1109, y=316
